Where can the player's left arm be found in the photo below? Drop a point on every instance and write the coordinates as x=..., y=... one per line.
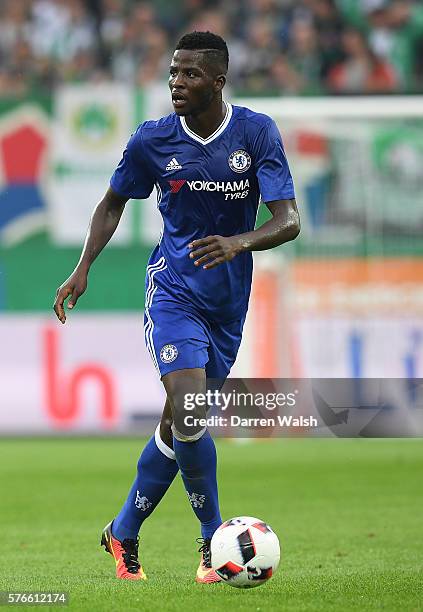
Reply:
x=284, y=226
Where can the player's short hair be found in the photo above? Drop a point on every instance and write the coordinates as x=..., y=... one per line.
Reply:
x=212, y=45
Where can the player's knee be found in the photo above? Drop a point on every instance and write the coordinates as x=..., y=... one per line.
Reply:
x=188, y=434
x=188, y=425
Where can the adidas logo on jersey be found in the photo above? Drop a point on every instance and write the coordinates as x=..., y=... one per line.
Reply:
x=173, y=165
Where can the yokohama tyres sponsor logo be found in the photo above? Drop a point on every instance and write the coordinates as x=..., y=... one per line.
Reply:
x=232, y=190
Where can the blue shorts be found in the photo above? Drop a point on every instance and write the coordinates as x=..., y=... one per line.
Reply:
x=178, y=337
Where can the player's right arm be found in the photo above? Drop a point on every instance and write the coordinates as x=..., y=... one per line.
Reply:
x=103, y=223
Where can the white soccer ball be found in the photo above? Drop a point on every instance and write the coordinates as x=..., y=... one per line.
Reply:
x=245, y=552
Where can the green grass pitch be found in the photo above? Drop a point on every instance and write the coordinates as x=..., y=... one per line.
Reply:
x=348, y=514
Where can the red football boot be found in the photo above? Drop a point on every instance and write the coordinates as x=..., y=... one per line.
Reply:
x=125, y=555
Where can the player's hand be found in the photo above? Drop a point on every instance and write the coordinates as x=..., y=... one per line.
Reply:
x=74, y=286
x=211, y=251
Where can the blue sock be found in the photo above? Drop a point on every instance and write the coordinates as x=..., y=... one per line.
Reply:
x=156, y=470
x=197, y=462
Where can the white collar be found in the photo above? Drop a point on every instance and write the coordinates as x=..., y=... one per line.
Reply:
x=216, y=133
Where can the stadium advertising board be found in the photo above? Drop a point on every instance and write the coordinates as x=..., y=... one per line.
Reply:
x=94, y=374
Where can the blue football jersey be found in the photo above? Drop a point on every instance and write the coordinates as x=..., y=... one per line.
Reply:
x=205, y=186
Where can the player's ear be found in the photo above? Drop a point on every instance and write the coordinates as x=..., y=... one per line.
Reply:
x=219, y=82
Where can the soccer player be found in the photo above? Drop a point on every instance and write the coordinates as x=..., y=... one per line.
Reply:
x=209, y=162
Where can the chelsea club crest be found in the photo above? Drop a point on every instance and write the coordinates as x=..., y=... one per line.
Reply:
x=168, y=353
x=239, y=161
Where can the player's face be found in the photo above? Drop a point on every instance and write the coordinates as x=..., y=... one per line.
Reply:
x=192, y=86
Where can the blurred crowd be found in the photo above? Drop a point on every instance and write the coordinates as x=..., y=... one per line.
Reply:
x=285, y=47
